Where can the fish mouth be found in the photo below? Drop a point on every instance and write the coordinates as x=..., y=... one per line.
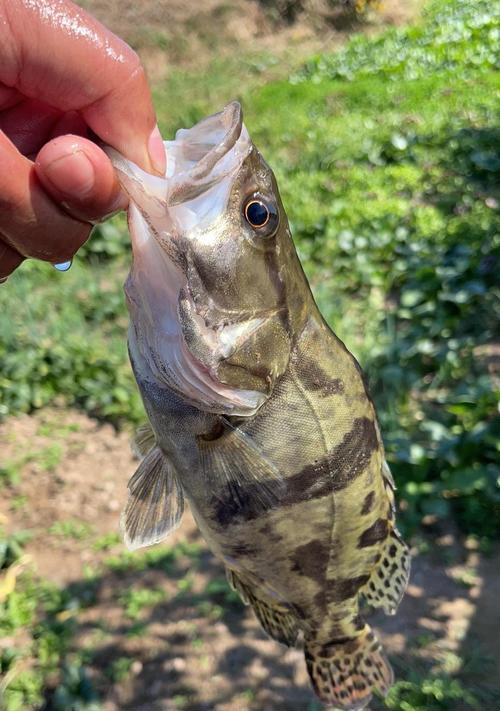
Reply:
x=202, y=155
x=165, y=213
x=194, y=190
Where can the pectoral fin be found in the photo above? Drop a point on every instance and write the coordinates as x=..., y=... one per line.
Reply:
x=144, y=440
x=155, y=503
x=244, y=483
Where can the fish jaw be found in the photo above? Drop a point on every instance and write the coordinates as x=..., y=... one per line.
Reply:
x=158, y=277
x=156, y=338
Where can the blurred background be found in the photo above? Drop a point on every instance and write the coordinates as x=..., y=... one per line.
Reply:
x=381, y=123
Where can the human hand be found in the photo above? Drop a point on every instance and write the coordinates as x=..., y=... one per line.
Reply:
x=64, y=79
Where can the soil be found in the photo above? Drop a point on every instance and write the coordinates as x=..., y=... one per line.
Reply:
x=178, y=33
x=197, y=647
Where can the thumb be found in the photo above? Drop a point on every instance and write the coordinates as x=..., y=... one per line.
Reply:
x=77, y=174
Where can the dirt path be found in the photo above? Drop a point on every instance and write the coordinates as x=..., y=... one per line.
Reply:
x=163, y=631
x=172, y=33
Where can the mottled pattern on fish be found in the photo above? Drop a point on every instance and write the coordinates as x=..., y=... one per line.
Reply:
x=291, y=490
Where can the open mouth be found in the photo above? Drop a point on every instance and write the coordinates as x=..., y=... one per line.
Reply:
x=202, y=163
x=202, y=155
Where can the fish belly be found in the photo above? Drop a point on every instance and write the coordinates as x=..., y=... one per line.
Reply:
x=319, y=430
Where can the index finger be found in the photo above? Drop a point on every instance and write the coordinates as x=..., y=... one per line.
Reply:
x=55, y=52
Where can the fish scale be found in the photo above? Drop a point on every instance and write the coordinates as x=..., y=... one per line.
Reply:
x=259, y=415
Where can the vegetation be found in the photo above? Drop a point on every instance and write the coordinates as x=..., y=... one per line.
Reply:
x=389, y=173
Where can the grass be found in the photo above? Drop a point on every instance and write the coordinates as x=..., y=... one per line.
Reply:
x=386, y=154
x=71, y=528
x=136, y=601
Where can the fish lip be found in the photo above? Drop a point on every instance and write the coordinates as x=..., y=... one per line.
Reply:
x=231, y=117
x=194, y=171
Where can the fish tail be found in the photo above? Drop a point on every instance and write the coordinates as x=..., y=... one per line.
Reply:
x=345, y=674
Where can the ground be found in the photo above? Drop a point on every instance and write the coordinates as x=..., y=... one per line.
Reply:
x=177, y=33
x=162, y=629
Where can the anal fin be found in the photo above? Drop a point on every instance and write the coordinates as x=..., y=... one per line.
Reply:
x=155, y=503
x=277, y=621
x=387, y=583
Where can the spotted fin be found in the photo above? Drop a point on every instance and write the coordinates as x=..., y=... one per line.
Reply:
x=242, y=480
x=277, y=621
x=155, y=503
x=236, y=585
x=387, y=583
x=345, y=674
x=144, y=440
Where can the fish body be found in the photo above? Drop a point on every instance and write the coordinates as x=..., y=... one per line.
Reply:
x=259, y=415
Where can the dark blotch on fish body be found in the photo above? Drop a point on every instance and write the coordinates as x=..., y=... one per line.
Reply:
x=315, y=379
x=332, y=472
x=311, y=560
x=340, y=590
x=377, y=532
x=368, y=503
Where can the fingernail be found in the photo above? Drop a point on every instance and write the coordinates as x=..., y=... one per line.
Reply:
x=102, y=218
x=157, y=151
x=72, y=174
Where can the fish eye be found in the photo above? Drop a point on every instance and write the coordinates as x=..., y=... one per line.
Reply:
x=257, y=213
x=262, y=215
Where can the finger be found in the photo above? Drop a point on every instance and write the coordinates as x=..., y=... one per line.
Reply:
x=79, y=175
x=70, y=122
x=30, y=221
x=9, y=97
x=56, y=52
x=10, y=259
x=28, y=123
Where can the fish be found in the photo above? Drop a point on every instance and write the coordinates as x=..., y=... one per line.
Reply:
x=258, y=415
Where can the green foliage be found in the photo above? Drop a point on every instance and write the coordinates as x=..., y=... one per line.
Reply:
x=106, y=541
x=71, y=528
x=63, y=338
x=429, y=694
x=135, y=601
x=36, y=622
x=457, y=35
x=75, y=691
x=120, y=669
x=11, y=547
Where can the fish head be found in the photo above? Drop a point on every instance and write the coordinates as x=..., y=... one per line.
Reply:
x=216, y=293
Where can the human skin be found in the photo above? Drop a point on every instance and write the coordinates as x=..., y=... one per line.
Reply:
x=66, y=84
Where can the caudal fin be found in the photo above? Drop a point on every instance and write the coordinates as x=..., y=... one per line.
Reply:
x=345, y=674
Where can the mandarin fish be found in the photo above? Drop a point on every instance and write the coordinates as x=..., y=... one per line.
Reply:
x=258, y=414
